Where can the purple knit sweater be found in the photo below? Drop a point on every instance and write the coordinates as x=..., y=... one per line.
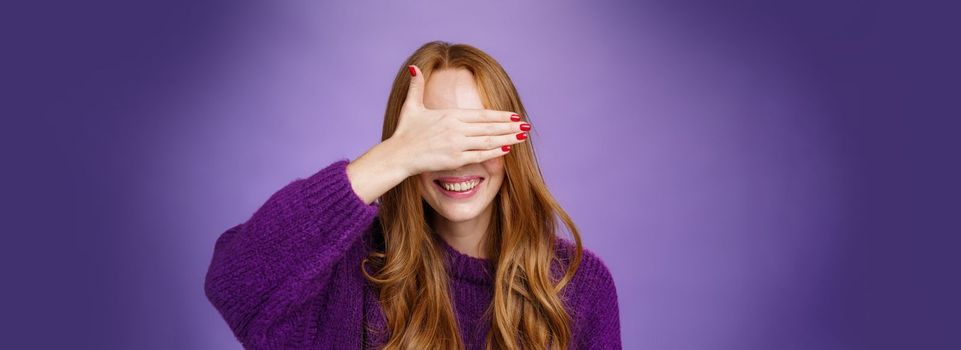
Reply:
x=290, y=277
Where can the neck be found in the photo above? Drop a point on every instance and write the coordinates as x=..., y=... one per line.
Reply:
x=466, y=236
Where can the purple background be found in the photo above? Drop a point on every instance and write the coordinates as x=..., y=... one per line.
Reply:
x=756, y=175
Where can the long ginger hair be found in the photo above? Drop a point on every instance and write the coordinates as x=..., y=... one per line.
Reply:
x=527, y=310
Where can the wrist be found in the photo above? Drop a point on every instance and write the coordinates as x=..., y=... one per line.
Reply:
x=375, y=172
x=391, y=158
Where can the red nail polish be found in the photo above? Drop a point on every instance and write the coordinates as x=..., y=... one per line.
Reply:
x=515, y=118
x=521, y=136
x=525, y=127
x=506, y=148
x=413, y=72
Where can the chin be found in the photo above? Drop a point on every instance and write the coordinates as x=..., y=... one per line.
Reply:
x=458, y=213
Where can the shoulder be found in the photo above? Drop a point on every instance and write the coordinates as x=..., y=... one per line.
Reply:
x=592, y=276
x=591, y=298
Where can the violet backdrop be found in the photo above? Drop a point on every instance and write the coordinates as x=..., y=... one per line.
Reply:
x=756, y=174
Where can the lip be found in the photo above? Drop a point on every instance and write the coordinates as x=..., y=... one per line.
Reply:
x=455, y=179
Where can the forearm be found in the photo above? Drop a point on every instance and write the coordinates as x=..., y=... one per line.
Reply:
x=376, y=171
x=265, y=270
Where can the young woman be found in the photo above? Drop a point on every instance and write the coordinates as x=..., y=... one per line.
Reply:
x=443, y=236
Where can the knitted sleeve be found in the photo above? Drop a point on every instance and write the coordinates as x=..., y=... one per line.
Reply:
x=265, y=271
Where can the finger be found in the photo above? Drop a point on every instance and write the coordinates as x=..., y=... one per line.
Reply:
x=484, y=129
x=486, y=115
x=485, y=155
x=489, y=142
x=415, y=92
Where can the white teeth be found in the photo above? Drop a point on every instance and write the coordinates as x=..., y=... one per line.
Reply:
x=460, y=186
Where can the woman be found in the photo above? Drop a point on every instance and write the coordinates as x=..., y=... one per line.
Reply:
x=443, y=236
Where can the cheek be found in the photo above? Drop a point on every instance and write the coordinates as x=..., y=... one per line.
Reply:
x=494, y=167
x=495, y=171
x=425, y=183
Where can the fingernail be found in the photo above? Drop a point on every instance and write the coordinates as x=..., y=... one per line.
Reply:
x=525, y=127
x=515, y=118
x=413, y=72
x=506, y=148
x=521, y=136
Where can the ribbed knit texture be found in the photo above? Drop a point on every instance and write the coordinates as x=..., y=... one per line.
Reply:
x=290, y=277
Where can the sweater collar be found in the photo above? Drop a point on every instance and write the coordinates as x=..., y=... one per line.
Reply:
x=468, y=268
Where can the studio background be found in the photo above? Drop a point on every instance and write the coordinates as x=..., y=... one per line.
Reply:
x=756, y=175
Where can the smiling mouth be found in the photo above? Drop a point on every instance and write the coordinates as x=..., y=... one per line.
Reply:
x=458, y=184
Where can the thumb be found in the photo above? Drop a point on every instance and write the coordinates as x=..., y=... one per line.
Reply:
x=415, y=93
